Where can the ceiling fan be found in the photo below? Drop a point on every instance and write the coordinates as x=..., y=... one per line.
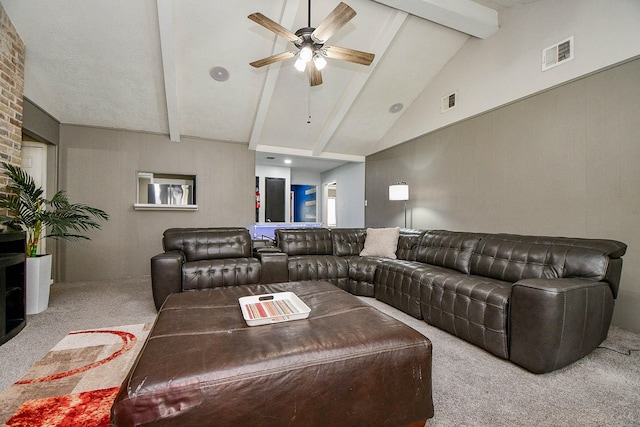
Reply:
x=311, y=43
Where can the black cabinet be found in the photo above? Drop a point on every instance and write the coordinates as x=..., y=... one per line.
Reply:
x=12, y=285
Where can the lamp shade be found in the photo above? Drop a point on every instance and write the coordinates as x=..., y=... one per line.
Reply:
x=319, y=61
x=306, y=53
x=300, y=64
x=399, y=191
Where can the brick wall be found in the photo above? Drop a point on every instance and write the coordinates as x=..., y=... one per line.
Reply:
x=11, y=92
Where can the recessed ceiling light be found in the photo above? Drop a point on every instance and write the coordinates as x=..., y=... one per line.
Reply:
x=219, y=74
x=287, y=161
x=395, y=108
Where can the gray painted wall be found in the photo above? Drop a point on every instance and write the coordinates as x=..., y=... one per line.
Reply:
x=563, y=162
x=488, y=73
x=99, y=167
x=349, y=181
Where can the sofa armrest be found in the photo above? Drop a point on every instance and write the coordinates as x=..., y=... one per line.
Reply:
x=554, y=322
x=166, y=275
x=274, y=266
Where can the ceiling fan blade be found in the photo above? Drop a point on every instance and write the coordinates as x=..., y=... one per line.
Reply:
x=270, y=25
x=342, y=14
x=351, y=55
x=315, y=77
x=271, y=59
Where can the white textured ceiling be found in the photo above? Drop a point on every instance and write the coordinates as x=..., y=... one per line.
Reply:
x=100, y=63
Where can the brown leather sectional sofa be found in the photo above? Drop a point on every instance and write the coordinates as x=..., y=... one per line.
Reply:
x=540, y=302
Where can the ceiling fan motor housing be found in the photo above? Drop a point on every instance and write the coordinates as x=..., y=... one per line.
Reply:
x=305, y=38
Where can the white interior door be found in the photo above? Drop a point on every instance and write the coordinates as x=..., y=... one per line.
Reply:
x=34, y=162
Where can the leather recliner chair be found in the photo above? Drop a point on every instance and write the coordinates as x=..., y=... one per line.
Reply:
x=201, y=258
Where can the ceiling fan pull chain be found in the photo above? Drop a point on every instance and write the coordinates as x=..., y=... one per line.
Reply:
x=309, y=105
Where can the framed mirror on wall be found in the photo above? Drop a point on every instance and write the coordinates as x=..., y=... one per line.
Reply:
x=162, y=191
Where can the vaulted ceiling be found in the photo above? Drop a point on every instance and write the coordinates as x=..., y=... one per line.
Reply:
x=146, y=65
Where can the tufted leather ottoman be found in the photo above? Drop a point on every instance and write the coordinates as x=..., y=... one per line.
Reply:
x=347, y=364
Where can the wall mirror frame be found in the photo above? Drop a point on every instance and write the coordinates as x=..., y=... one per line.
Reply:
x=165, y=191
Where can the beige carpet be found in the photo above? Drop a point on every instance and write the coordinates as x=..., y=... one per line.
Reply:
x=76, y=382
x=471, y=387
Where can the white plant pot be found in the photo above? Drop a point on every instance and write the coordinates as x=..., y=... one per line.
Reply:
x=38, y=283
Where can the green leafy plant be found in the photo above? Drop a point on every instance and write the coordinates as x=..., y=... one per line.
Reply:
x=27, y=209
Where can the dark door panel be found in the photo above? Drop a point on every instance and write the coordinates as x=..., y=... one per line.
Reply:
x=274, y=200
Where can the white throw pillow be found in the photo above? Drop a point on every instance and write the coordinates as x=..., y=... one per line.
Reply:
x=381, y=242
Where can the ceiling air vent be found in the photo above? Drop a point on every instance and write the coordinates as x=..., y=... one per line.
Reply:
x=557, y=54
x=448, y=102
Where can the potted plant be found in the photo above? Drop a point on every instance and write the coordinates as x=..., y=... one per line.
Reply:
x=26, y=208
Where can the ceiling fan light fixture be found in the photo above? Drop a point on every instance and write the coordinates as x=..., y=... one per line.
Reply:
x=306, y=53
x=300, y=65
x=319, y=61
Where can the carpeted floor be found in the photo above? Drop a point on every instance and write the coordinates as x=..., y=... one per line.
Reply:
x=74, y=307
x=473, y=388
x=470, y=386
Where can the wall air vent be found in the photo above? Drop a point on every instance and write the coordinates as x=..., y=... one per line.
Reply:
x=557, y=54
x=448, y=102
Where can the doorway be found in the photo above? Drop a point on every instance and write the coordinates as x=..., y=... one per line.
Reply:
x=331, y=210
x=274, y=200
x=34, y=162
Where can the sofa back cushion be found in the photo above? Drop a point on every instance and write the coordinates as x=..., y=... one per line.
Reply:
x=208, y=243
x=448, y=249
x=304, y=241
x=513, y=257
x=408, y=243
x=348, y=241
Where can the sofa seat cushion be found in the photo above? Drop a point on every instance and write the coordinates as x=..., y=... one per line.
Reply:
x=330, y=268
x=362, y=272
x=213, y=273
x=473, y=308
x=397, y=283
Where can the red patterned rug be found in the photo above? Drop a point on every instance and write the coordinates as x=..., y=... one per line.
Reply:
x=76, y=382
